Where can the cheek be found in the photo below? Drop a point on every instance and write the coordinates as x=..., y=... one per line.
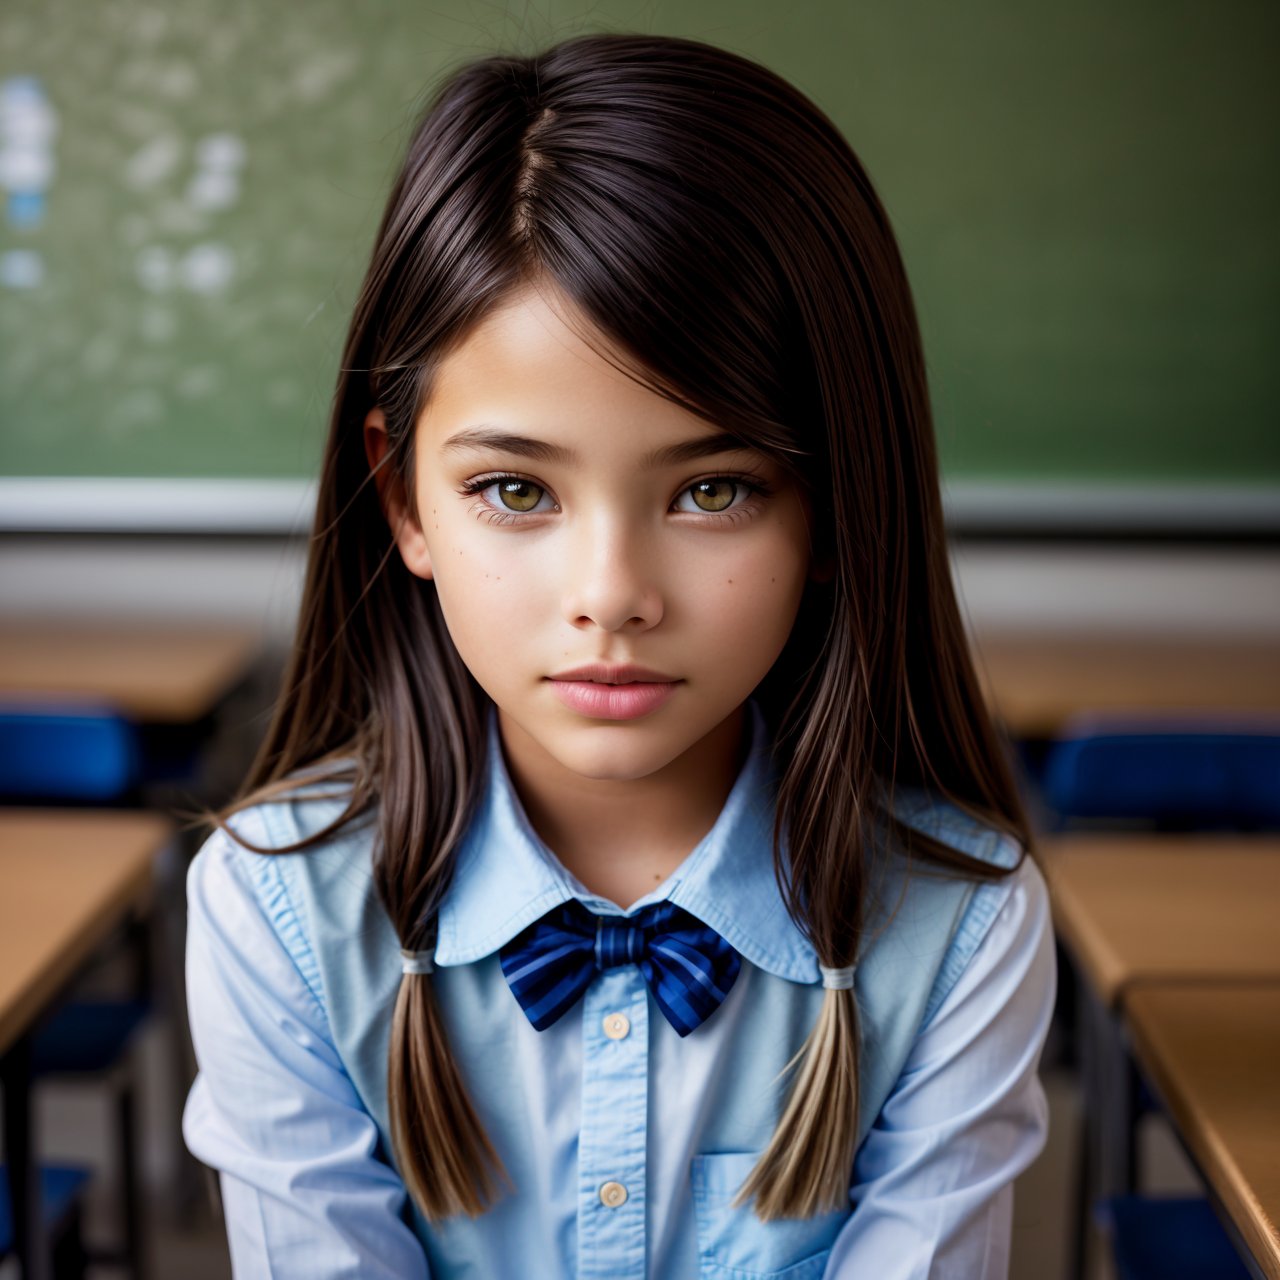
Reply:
x=752, y=594
x=485, y=585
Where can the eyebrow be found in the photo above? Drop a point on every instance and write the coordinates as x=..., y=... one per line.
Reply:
x=483, y=437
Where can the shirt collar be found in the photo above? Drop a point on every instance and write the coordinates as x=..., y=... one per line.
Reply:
x=506, y=877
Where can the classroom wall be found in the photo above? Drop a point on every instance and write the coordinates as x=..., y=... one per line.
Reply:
x=1084, y=196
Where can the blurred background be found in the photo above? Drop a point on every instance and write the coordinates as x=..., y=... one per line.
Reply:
x=1085, y=198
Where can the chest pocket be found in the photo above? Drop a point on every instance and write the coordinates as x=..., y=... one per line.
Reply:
x=733, y=1244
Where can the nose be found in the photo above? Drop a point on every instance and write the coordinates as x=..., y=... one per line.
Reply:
x=612, y=578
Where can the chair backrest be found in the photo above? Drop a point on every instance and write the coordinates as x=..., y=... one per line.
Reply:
x=68, y=753
x=1206, y=771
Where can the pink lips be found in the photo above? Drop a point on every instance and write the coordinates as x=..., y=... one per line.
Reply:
x=613, y=701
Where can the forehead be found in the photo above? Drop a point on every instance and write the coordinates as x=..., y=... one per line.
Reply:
x=524, y=371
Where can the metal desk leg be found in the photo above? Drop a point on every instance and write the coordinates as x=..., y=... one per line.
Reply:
x=1109, y=1080
x=31, y=1244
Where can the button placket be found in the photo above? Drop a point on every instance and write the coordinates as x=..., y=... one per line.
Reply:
x=612, y=1141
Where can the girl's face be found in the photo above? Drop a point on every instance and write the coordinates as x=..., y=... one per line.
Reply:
x=610, y=526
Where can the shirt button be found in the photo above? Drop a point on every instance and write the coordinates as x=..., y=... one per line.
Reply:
x=613, y=1194
x=616, y=1026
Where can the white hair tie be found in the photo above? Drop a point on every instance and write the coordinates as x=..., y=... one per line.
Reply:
x=416, y=962
x=837, y=979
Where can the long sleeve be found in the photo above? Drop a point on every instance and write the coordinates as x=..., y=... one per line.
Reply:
x=933, y=1181
x=273, y=1109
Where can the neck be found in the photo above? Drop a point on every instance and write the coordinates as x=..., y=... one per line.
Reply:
x=650, y=824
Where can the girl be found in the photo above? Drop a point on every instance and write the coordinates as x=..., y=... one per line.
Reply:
x=631, y=882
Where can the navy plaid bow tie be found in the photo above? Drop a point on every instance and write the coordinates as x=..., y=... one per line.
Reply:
x=689, y=967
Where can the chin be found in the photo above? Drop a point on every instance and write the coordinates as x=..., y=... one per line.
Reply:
x=624, y=763
x=618, y=752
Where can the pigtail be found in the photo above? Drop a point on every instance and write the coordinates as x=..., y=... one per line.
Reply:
x=447, y=1161
x=805, y=1169
x=431, y=747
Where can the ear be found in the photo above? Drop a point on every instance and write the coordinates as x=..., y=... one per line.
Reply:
x=405, y=528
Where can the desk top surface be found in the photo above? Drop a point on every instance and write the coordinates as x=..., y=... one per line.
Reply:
x=154, y=673
x=67, y=879
x=1213, y=1052
x=1170, y=907
x=1038, y=681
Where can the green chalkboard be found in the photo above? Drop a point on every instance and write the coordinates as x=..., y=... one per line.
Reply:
x=1085, y=193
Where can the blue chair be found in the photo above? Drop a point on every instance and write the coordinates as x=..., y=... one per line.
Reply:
x=1168, y=1238
x=91, y=1042
x=80, y=754
x=62, y=753
x=1202, y=774
x=61, y=1187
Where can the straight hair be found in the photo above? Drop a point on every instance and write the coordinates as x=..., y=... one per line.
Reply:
x=719, y=232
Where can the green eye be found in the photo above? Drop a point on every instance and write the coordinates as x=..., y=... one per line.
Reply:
x=519, y=495
x=713, y=495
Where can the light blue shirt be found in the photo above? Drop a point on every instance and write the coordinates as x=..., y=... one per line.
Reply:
x=608, y=1121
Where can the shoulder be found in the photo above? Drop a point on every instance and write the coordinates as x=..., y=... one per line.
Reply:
x=247, y=882
x=1006, y=923
x=953, y=826
x=909, y=884
x=300, y=807
x=261, y=839
x=1019, y=898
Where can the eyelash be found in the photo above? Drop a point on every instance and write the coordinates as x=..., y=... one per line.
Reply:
x=755, y=485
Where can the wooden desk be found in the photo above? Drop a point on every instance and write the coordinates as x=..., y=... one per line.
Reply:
x=1212, y=1052
x=1133, y=908
x=1036, y=682
x=67, y=880
x=151, y=673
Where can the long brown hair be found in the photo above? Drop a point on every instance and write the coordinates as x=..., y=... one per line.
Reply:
x=716, y=228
